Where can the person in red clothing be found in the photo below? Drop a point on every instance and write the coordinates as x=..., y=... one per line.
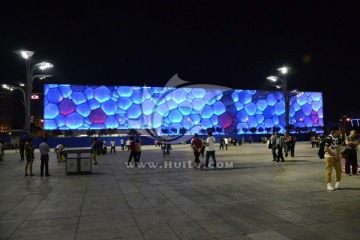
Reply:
x=132, y=149
x=196, y=144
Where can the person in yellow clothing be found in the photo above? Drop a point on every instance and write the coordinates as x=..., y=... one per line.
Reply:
x=94, y=148
x=332, y=158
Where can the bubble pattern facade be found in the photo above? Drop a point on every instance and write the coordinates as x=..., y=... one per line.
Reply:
x=123, y=107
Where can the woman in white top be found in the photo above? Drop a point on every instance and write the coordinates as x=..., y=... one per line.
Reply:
x=210, y=151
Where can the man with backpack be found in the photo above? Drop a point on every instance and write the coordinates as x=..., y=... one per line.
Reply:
x=332, y=158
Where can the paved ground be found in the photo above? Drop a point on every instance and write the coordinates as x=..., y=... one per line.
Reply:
x=256, y=199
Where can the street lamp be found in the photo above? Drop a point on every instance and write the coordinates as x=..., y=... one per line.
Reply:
x=29, y=82
x=12, y=88
x=286, y=94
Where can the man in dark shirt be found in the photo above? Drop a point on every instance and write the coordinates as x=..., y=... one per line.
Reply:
x=351, y=153
x=132, y=149
x=196, y=144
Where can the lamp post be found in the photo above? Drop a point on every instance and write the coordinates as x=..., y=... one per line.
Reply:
x=29, y=82
x=283, y=86
x=12, y=88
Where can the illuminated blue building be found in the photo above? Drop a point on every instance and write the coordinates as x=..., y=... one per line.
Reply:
x=122, y=107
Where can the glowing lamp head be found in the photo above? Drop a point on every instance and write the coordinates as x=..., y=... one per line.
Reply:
x=45, y=65
x=272, y=78
x=283, y=70
x=26, y=54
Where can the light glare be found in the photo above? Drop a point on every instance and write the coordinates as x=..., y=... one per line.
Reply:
x=283, y=70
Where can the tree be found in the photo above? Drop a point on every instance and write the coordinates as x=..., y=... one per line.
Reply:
x=245, y=130
x=202, y=131
x=103, y=131
x=235, y=130
x=57, y=132
x=253, y=130
x=260, y=129
x=90, y=133
x=268, y=129
x=219, y=130
x=276, y=129
x=68, y=133
x=132, y=132
x=290, y=127
x=212, y=129
x=165, y=130
x=174, y=130
x=110, y=131
x=182, y=131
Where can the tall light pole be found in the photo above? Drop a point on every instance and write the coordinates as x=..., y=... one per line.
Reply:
x=12, y=88
x=29, y=82
x=283, y=86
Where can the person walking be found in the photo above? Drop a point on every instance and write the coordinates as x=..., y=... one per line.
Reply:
x=202, y=152
x=210, y=151
x=122, y=144
x=313, y=141
x=168, y=147
x=163, y=147
x=2, y=150
x=138, y=149
x=1, y=147
x=291, y=145
x=332, y=158
x=22, y=150
x=222, y=143
x=29, y=154
x=273, y=146
x=94, y=150
x=286, y=145
x=44, y=157
x=226, y=140
x=112, y=144
x=280, y=143
x=196, y=145
x=132, y=149
x=351, y=143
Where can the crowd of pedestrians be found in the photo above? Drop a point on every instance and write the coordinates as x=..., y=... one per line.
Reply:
x=340, y=151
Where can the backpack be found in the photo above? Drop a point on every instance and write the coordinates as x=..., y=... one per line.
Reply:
x=321, y=151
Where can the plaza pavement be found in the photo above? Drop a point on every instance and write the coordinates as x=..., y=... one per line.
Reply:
x=256, y=199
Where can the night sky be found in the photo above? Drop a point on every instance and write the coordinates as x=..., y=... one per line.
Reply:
x=230, y=43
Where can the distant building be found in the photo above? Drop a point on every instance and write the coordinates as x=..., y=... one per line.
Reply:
x=9, y=111
x=5, y=111
x=37, y=109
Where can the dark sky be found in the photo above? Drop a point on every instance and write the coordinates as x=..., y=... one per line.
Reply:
x=231, y=43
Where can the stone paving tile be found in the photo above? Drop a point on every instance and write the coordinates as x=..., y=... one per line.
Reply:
x=158, y=231
x=103, y=231
x=146, y=217
x=8, y=227
x=270, y=235
x=246, y=225
x=292, y=231
x=219, y=228
x=40, y=232
x=35, y=215
x=293, y=217
x=49, y=222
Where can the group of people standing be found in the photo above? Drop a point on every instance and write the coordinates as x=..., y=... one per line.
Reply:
x=44, y=157
x=278, y=143
x=334, y=152
x=199, y=146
